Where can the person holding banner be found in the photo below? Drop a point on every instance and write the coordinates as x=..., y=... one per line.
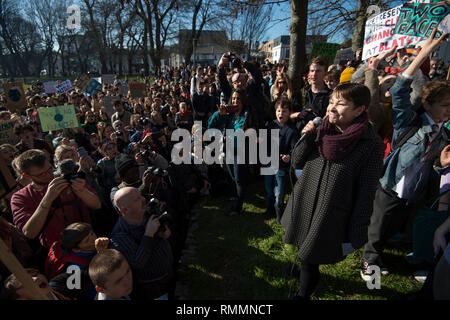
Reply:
x=409, y=167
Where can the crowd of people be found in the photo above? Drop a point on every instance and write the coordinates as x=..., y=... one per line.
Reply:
x=368, y=142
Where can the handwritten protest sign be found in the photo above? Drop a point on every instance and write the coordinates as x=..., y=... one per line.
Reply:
x=109, y=101
x=64, y=86
x=15, y=96
x=7, y=132
x=50, y=86
x=379, y=34
x=419, y=19
x=324, y=49
x=137, y=89
x=93, y=86
x=107, y=79
x=57, y=118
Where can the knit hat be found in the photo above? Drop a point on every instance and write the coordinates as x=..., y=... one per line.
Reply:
x=124, y=163
x=346, y=75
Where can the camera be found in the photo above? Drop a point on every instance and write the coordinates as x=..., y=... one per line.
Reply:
x=143, y=121
x=118, y=133
x=235, y=62
x=69, y=170
x=160, y=172
x=158, y=208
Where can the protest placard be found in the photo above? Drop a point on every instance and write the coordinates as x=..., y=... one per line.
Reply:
x=64, y=86
x=15, y=96
x=419, y=19
x=57, y=118
x=379, y=34
x=50, y=87
x=107, y=79
x=109, y=101
x=137, y=89
x=324, y=49
x=93, y=86
x=7, y=133
x=346, y=54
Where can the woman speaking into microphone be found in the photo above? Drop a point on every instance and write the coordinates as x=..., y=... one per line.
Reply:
x=329, y=210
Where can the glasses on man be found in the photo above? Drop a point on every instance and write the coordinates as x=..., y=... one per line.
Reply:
x=43, y=174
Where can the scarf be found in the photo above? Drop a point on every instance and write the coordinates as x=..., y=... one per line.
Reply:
x=185, y=114
x=334, y=145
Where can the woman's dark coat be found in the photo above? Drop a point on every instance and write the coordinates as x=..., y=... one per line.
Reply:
x=332, y=201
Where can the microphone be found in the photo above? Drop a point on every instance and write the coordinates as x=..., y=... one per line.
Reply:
x=317, y=122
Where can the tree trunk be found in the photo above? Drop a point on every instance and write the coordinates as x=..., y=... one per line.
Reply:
x=358, y=32
x=297, y=57
x=145, y=57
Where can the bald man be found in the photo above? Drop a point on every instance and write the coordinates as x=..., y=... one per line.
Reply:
x=146, y=249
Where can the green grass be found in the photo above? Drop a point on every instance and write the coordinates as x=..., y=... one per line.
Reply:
x=244, y=257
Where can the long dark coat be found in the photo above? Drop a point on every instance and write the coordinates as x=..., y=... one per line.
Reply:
x=332, y=201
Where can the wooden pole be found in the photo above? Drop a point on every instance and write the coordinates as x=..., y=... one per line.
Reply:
x=448, y=73
x=11, y=262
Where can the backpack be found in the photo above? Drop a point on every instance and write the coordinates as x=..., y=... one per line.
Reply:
x=57, y=260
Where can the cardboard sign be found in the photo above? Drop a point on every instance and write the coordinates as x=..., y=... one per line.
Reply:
x=7, y=132
x=419, y=19
x=379, y=34
x=324, y=49
x=64, y=87
x=109, y=101
x=93, y=86
x=137, y=89
x=344, y=55
x=108, y=79
x=50, y=87
x=15, y=96
x=57, y=118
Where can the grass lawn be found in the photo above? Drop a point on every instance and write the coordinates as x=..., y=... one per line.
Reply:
x=244, y=257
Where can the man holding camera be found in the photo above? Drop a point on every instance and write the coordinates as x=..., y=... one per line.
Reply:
x=143, y=242
x=240, y=79
x=47, y=205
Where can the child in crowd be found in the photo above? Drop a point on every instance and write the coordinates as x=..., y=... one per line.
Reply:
x=111, y=275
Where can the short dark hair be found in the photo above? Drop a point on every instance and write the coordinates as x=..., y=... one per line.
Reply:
x=22, y=127
x=31, y=158
x=321, y=61
x=284, y=103
x=433, y=91
x=103, y=264
x=359, y=94
x=73, y=234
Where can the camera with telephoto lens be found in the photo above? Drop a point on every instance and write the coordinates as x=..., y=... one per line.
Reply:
x=235, y=62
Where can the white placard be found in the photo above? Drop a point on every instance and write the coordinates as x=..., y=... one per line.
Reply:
x=379, y=34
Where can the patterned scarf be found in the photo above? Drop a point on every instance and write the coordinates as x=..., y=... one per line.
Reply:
x=334, y=145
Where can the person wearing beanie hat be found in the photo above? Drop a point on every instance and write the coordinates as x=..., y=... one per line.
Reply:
x=346, y=74
x=128, y=170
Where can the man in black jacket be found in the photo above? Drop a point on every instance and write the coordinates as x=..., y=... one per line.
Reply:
x=240, y=79
x=317, y=95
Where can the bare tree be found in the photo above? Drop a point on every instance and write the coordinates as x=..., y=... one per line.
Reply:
x=158, y=17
